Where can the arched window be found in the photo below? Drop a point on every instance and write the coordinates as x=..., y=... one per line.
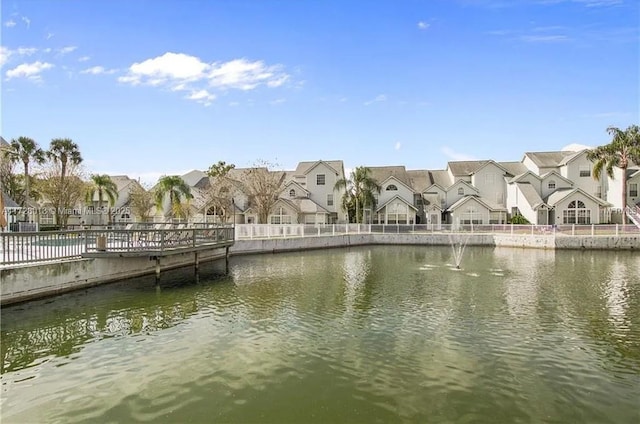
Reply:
x=292, y=193
x=392, y=187
x=576, y=213
x=552, y=185
x=461, y=191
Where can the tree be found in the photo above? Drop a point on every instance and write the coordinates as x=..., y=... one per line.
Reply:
x=361, y=188
x=64, y=194
x=263, y=188
x=141, y=201
x=103, y=186
x=177, y=190
x=622, y=151
x=219, y=194
x=65, y=152
x=25, y=150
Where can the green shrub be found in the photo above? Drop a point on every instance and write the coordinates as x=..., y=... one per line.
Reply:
x=518, y=219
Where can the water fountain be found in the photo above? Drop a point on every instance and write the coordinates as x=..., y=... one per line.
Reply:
x=458, y=243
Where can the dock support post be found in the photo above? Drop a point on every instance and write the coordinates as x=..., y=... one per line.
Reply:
x=157, y=270
x=196, y=262
x=226, y=260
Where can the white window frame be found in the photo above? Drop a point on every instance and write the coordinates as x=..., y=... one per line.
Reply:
x=633, y=189
x=329, y=199
x=321, y=179
x=584, y=171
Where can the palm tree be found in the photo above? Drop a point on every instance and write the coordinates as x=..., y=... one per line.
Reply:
x=65, y=151
x=622, y=151
x=176, y=188
x=361, y=187
x=25, y=150
x=103, y=186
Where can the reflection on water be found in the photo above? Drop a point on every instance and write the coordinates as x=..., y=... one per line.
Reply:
x=381, y=334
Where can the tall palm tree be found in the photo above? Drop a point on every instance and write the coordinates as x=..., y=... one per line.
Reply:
x=622, y=151
x=25, y=150
x=361, y=186
x=103, y=186
x=64, y=151
x=176, y=188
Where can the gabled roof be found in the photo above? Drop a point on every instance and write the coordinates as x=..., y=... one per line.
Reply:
x=3, y=142
x=633, y=172
x=572, y=157
x=441, y=178
x=288, y=185
x=562, y=193
x=9, y=203
x=306, y=205
x=490, y=162
x=486, y=203
x=380, y=207
x=548, y=159
x=514, y=168
x=394, y=178
x=462, y=182
x=382, y=173
x=520, y=177
x=304, y=168
x=531, y=195
x=554, y=174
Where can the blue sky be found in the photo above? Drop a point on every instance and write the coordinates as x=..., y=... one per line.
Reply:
x=161, y=87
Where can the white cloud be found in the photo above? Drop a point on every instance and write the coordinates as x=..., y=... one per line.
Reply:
x=245, y=75
x=68, y=49
x=423, y=25
x=398, y=145
x=97, y=70
x=202, y=96
x=26, y=51
x=182, y=72
x=452, y=154
x=5, y=53
x=544, y=38
x=49, y=36
x=29, y=70
x=84, y=59
x=277, y=102
x=575, y=147
x=27, y=21
x=377, y=99
x=10, y=23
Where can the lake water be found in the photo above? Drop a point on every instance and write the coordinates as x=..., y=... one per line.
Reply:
x=377, y=334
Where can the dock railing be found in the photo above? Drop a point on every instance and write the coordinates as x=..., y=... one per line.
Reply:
x=46, y=246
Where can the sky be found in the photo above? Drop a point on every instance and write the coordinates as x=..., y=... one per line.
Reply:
x=148, y=88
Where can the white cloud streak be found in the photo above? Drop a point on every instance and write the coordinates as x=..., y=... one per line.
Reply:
x=452, y=154
x=378, y=99
x=97, y=70
x=10, y=23
x=423, y=25
x=398, y=145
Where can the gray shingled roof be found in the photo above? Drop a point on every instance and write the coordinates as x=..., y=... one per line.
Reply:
x=304, y=167
x=193, y=177
x=570, y=157
x=548, y=159
x=531, y=195
x=419, y=179
x=381, y=173
x=440, y=177
x=514, y=168
x=466, y=167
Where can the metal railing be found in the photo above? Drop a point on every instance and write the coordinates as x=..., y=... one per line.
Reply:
x=261, y=231
x=29, y=247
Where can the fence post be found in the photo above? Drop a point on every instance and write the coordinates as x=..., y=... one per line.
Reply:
x=532, y=227
x=593, y=230
x=333, y=229
x=573, y=229
x=512, y=228
x=617, y=229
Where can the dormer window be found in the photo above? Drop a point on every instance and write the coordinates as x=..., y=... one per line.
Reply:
x=461, y=191
x=392, y=187
x=552, y=185
x=292, y=193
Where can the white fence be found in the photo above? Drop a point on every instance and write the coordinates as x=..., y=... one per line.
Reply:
x=261, y=231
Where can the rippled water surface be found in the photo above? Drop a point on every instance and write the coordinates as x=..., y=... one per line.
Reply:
x=371, y=335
